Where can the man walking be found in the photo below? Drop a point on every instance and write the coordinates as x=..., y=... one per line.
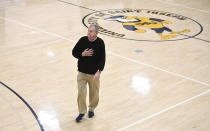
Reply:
x=91, y=55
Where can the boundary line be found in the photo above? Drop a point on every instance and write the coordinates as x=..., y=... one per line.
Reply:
x=158, y=68
x=37, y=29
x=14, y=111
x=163, y=111
x=174, y=4
x=26, y=103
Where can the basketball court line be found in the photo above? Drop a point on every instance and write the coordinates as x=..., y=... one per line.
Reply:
x=132, y=39
x=36, y=29
x=196, y=38
x=158, y=68
x=14, y=110
x=76, y=5
x=26, y=103
x=108, y=52
x=163, y=111
x=179, y=5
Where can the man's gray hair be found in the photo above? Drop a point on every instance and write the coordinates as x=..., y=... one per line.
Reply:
x=95, y=26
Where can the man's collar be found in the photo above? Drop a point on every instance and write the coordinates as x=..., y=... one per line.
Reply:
x=93, y=40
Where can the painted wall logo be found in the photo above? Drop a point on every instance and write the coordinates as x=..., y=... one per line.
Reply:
x=143, y=24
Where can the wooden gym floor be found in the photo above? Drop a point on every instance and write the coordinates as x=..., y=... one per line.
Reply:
x=150, y=83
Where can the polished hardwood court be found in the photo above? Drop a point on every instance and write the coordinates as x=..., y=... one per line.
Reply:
x=156, y=77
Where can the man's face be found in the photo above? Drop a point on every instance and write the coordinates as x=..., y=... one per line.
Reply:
x=92, y=33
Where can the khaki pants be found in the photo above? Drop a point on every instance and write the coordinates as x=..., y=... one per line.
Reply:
x=82, y=80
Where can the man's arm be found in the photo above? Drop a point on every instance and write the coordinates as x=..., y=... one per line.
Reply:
x=102, y=59
x=77, y=52
x=101, y=63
